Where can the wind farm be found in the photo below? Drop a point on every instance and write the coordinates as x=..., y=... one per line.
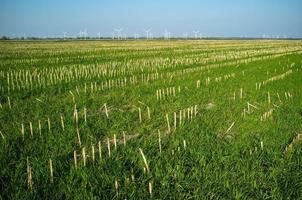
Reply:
x=139, y=108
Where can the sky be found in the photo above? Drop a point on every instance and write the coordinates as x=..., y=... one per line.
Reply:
x=212, y=18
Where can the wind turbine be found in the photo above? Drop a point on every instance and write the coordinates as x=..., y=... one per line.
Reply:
x=99, y=34
x=147, y=33
x=64, y=35
x=185, y=35
x=196, y=34
x=136, y=36
x=85, y=33
x=118, y=32
x=167, y=35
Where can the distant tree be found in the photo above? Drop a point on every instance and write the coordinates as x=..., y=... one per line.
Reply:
x=4, y=38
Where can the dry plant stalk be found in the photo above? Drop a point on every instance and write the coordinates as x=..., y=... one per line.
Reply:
x=75, y=159
x=116, y=186
x=40, y=128
x=84, y=156
x=168, y=123
x=150, y=188
x=62, y=123
x=79, y=137
x=100, y=150
x=73, y=98
x=31, y=129
x=124, y=138
x=261, y=145
x=75, y=115
x=92, y=153
x=114, y=141
x=180, y=117
x=148, y=111
x=29, y=175
x=22, y=130
x=108, y=147
x=48, y=122
x=228, y=130
x=9, y=103
x=132, y=178
x=51, y=170
x=2, y=135
x=144, y=159
x=140, y=115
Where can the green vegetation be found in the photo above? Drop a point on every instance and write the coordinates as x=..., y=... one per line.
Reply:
x=173, y=119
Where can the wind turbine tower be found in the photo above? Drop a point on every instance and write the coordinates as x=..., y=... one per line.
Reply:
x=85, y=33
x=167, y=35
x=185, y=35
x=118, y=33
x=148, y=33
x=136, y=36
x=196, y=34
x=64, y=35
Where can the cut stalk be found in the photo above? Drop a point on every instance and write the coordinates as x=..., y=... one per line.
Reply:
x=100, y=150
x=29, y=175
x=31, y=129
x=40, y=128
x=92, y=153
x=51, y=170
x=75, y=158
x=168, y=123
x=22, y=130
x=79, y=137
x=124, y=138
x=108, y=147
x=144, y=159
x=62, y=123
x=84, y=156
x=148, y=111
x=114, y=142
x=140, y=115
x=48, y=122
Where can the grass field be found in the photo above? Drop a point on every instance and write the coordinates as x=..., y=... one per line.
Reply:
x=183, y=119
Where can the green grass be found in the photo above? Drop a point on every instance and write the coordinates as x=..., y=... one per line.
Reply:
x=44, y=80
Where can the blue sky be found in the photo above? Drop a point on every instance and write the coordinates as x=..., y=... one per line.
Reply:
x=251, y=18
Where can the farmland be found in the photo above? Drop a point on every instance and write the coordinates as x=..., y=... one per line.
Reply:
x=179, y=119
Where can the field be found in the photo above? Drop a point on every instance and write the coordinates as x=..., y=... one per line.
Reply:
x=179, y=119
